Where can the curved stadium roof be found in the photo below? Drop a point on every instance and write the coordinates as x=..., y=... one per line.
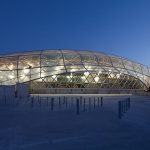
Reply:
x=23, y=67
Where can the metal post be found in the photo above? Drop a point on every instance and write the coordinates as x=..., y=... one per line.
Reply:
x=98, y=101
x=101, y=101
x=94, y=102
x=52, y=103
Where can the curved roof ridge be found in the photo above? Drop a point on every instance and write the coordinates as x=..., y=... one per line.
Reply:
x=93, y=51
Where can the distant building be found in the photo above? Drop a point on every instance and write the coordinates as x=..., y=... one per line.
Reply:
x=72, y=71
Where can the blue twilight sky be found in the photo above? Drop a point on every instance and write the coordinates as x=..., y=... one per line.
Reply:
x=120, y=27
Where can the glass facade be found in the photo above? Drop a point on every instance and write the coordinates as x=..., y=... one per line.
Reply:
x=73, y=69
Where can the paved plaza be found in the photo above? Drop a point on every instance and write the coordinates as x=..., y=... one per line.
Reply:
x=34, y=124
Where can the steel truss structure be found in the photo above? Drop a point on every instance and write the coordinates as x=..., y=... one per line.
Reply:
x=73, y=69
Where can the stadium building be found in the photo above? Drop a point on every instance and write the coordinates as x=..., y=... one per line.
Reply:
x=72, y=71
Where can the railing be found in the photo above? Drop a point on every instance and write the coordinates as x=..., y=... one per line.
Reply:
x=123, y=107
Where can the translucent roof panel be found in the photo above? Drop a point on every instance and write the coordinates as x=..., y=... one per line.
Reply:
x=27, y=61
x=117, y=62
x=145, y=70
x=34, y=65
x=71, y=57
x=137, y=67
x=51, y=58
x=103, y=59
x=8, y=63
x=128, y=64
x=88, y=58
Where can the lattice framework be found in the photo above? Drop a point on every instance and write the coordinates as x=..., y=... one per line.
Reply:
x=73, y=69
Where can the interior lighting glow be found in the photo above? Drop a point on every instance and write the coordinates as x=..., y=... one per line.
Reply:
x=99, y=72
x=86, y=73
x=30, y=64
x=26, y=71
x=57, y=68
x=83, y=78
x=37, y=70
x=54, y=76
x=88, y=67
x=96, y=79
x=111, y=75
x=11, y=67
x=68, y=77
x=73, y=70
x=43, y=74
x=22, y=77
x=11, y=76
x=118, y=76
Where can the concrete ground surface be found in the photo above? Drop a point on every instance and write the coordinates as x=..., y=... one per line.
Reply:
x=33, y=124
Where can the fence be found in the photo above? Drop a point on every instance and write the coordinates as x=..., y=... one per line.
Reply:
x=78, y=104
x=123, y=107
x=7, y=94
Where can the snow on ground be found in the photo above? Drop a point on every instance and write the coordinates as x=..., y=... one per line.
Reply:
x=34, y=124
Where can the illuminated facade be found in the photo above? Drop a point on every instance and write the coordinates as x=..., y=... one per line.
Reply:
x=55, y=69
